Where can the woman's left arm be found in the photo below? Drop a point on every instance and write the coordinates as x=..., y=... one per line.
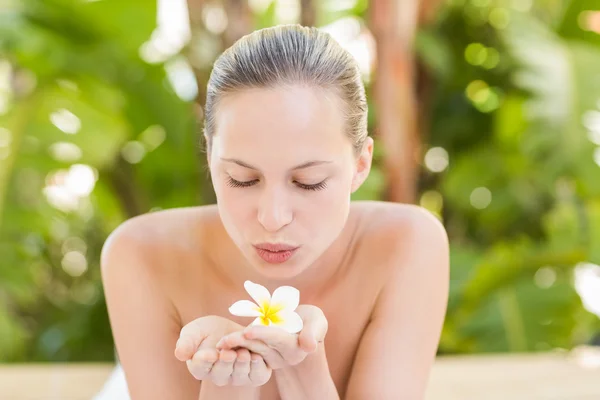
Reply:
x=400, y=343
x=308, y=380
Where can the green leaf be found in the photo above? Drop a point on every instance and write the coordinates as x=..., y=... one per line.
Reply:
x=593, y=214
x=267, y=18
x=497, y=306
x=561, y=77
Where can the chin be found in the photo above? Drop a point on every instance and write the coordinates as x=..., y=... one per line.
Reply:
x=279, y=275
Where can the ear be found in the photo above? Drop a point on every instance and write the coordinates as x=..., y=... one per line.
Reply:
x=363, y=164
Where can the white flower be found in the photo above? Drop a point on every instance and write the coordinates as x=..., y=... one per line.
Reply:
x=278, y=311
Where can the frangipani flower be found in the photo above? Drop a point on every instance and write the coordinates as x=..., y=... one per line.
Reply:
x=278, y=310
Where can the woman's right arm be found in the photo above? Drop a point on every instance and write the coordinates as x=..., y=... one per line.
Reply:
x=143, y=320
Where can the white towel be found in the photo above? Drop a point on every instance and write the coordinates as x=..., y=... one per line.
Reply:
x=115, y=387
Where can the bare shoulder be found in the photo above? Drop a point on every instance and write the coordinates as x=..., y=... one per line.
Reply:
x=163, y=233
x=400, y=225
x=168, y=249
x=172, y=227
x=397, y=238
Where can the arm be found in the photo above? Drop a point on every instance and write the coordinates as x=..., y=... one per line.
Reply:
x=399, y=345
x=143, y=321
x=212, y=392
x=308, y=380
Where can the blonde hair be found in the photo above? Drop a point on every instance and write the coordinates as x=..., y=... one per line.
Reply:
x=286, y=55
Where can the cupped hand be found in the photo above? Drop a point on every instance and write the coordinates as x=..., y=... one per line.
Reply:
x=238, y=367
x=276, y=346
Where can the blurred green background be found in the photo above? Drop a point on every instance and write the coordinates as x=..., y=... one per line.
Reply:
x=100, y=120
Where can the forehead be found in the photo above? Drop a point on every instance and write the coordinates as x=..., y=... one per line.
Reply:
x=303, y=119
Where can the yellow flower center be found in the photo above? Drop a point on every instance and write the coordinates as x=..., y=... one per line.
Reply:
x=269, y=314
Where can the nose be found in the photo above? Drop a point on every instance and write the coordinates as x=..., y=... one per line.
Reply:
x=274, y=210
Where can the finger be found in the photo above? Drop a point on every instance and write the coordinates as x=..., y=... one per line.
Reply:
x=273, y=337
x=241, y=368
x=284, y=346
x=260, y=373
x=272, y=357
x=220, y=374
x=314, y=329
x=278, y=339
x=230, y=341
x=188, y=343
x=307, y=341
x=202, y=362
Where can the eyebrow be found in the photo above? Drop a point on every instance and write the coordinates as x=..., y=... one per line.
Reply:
x=301, y=166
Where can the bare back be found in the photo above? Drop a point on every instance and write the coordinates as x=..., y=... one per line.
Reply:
x=187, y=284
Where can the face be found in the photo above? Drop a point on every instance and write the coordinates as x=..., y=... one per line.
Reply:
x=283, y=170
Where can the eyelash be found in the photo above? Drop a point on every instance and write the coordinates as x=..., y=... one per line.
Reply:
x=238, y=184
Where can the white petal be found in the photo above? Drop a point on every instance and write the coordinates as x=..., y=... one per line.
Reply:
x=259, y=293
x=245, y=308
x=259, y=321
x=285, y=298
x=290, y=322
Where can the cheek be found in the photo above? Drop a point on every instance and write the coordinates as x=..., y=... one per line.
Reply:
x=233, y=209
x=233, y=202
x=328, y=211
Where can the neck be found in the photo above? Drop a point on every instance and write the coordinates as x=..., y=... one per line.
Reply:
x=315, y=280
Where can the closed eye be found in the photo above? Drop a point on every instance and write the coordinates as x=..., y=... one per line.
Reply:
x=317, y=186
x=233, y=183
x=240, y=184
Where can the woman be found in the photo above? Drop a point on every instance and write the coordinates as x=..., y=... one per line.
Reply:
x=285, y=129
